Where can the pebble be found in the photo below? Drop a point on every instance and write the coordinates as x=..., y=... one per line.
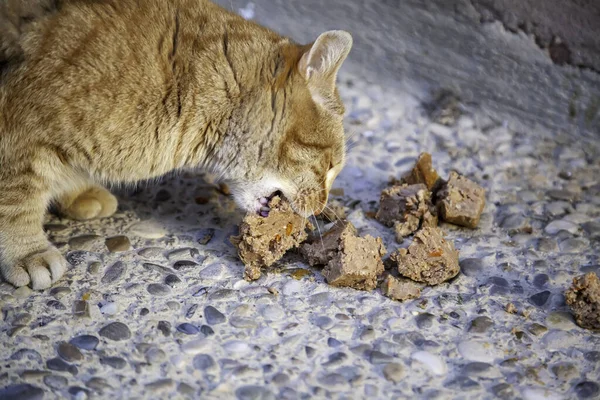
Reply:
x=207, y=330
x=203, y=362
x=324, y=322
x=556, y=340
x=26, y=354
x=393, y=372
x=85, y=342
x=425, y=320
x=565, y=371
x=188, y=329
x=592, y=228
x=172, y=280
x=471, y=266
x=118, y=244
x=69, y=352
x=237, y=347
x=540, y=394
x=540, y=299
x=152, y=253
x=481, y=324
x=573, y=245
x=56, y=382
x=114, y=272
x=560, y=225
x=243, y=322
x=196, y=346
x=114, y=362
x=503, y=391
x=110, y=308
x=587, y=390
x=148, y=230
x=155, y=355
x=183, y=265
x=478, y=351
x=115, y=331
x=84, y=242
x=21, y=391
x=251, y=392
x=158, y=289
x=57, y=364
x=213, y=316
x=433, y=362
x=98, y=384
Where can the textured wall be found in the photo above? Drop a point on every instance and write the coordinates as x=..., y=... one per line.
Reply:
x=467, y=47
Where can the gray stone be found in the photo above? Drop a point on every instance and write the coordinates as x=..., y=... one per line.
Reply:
x=471, y=266
x=57, y=364
x=152, y=253
x=158, y=289
x=56, y=382
x=69, y=352
x=183, y=265
x=21, y=392
x=587, y=390
x=113, y=362
x=462, y=383
x=60, y=291
x=425, y=320
x=26, y=354
x=84, y=242
x=540, y=280
x=115, y=331
x=117, y=244
x=546, y=245
x=332, y=379
x=172, y=280
x=98, y=384
x=335, y=359
x=251, y=392
x=243, y=322
x=203, y=362
x=164, y=327
x=213, y=316
x=540, y=299
x=481, y=324
x=114, y=272
x=377, y=357
x=85, y=342
x=393, y=372
x=188, y=329
x=323, y=322
x=592, y=228
x=573, y=245
x=333, y=342
x=207, y=330
x=57, y=305
x=503, y=391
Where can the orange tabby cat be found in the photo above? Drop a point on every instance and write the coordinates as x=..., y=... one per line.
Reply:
x=94, y=92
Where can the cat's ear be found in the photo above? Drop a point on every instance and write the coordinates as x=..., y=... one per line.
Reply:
x=320, y=64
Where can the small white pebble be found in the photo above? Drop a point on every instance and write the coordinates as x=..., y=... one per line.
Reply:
x=109, y=308
x=434, y=363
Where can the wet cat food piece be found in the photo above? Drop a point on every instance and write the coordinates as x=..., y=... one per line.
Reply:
x=406, y=208
x=322, y=249
x=584, y=299
x=357, y=263
x=400, y=289
x=424, y=173
x=349, y=260
x=264, y=240
x=430, y=258
x=461, y=201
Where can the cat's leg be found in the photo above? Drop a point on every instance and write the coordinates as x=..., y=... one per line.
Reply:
x=91, y=202
x=26, y=256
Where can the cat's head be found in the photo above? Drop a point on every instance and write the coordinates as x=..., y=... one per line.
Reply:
x=302, y=146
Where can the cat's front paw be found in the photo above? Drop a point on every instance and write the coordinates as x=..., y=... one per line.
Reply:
x=39, y=269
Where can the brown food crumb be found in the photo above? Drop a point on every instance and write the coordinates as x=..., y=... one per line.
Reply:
x=421, y=262
x=510, y=308
x=423, y=172
x=323, y=249
x=584, y=299
x=406, y=208
x=400, y=289
x=357, y=264
x=461, y=201
x=264, y=240
x=349, y=260
x=202, y=200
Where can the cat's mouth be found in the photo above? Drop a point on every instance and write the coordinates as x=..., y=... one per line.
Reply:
x=262, y=207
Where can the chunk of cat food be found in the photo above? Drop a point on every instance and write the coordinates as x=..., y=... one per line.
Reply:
x=430, y=258
x=322, y=249
x=406, y=208
x=583, y=297
x=461, y=201
x=400, y=289
x=357, y=263
x=349, y=260
x=423, y=172
x=264, y=240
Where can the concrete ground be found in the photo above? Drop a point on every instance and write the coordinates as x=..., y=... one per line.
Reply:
x=155, y=306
